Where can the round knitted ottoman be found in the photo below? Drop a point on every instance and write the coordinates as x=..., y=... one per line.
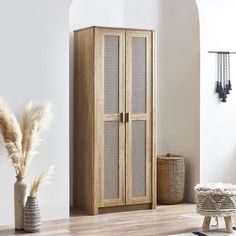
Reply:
x=216, y=200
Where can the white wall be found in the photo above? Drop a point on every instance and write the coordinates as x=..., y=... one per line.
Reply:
x=178, y=65
x=34, y=59
x=117, y=13
x=178, y=85
x=179, y=88
x=218, y=120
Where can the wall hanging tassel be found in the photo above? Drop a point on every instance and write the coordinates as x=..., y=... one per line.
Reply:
x=227, y=74
x=224, y=96
x=223, y=84
x=221, y=90
x=229, y=83
x=218, y=84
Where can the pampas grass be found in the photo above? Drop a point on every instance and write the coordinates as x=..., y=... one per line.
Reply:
x=12, y=136
x=41, y=180
x=21, y=136
x=33, y=121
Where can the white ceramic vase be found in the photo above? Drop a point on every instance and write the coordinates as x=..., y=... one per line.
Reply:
x=19, y=201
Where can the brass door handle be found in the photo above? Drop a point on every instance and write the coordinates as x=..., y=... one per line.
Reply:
x=122, y=117
x=127, y=117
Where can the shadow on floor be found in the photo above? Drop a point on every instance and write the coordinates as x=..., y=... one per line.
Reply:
x=9, y=232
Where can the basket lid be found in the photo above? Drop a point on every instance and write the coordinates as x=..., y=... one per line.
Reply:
x=169, y=156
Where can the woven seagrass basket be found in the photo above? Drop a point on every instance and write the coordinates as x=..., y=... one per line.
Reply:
x=170, y=179
x=216, y=199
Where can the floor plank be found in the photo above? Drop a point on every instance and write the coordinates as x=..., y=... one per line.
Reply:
x=165, y=220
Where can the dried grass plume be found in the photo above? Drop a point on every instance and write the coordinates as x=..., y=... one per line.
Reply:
x=41, y=180
x=12, y=136
x=21, y=136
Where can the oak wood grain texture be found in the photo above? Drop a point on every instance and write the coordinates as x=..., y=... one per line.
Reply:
x=101, y=117
x=154, y=119
x=112, y=28
x=130, y=34
x=84, y=120
x=134, y=207
x=98, y=112
x=90, y=117
x=166, y=220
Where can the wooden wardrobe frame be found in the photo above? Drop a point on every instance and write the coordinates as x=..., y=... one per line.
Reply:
x=88, y=105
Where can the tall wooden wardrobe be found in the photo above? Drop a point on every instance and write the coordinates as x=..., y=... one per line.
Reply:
x=114, y=119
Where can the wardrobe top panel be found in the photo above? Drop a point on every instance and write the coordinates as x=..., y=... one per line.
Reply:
x=108, y=27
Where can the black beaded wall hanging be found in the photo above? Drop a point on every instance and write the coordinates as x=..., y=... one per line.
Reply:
x=223, y=84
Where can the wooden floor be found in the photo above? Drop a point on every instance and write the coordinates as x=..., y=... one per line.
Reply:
x=165, y=220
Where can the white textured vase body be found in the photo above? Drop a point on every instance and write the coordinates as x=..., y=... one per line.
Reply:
x=19, y=201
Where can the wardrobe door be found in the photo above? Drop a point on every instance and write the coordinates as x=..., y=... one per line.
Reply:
x=138, y=116
x=110, y=86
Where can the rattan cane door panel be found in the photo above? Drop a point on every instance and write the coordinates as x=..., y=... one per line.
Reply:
x=138, y=75
x=138, y=108
x=111, y=125
x=138, y=164
x=111, y=74
x=111, y=160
